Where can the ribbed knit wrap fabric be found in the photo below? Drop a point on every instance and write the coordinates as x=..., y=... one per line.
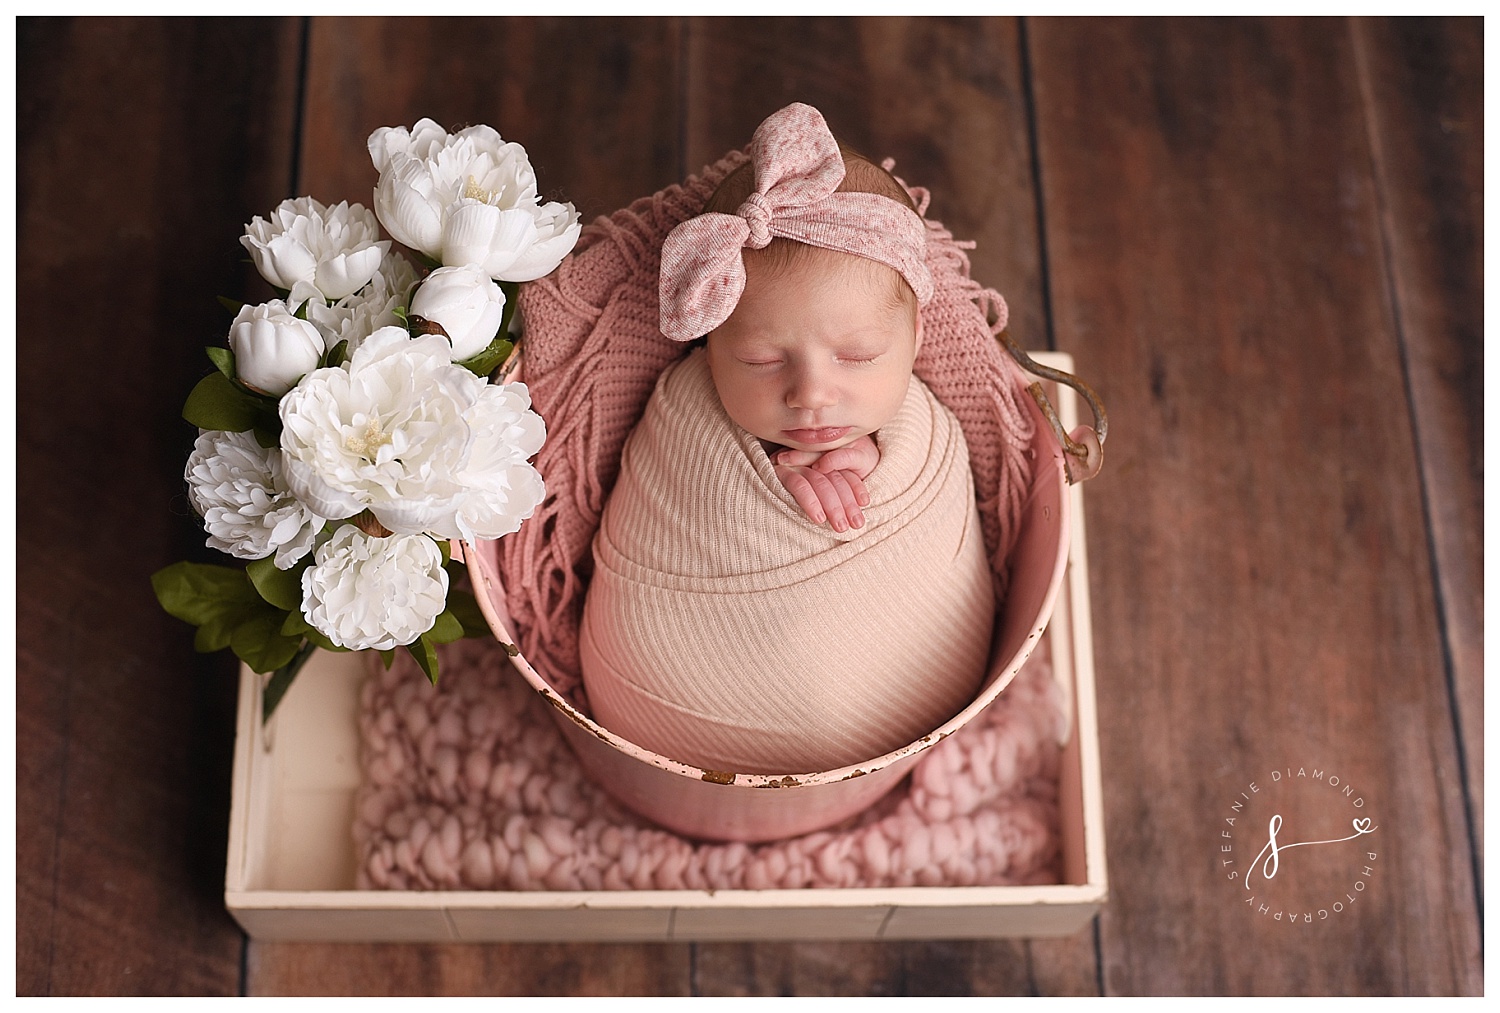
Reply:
x=593, y=351
x=726, y=630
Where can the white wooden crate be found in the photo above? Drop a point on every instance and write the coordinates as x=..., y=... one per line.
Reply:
x=291, y=863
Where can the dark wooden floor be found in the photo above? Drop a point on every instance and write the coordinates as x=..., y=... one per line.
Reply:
x=1261, y=240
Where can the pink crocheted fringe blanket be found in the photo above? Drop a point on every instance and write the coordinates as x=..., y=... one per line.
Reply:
x=593, y=350
x=470, y=786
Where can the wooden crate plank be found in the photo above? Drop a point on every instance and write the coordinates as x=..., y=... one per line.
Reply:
x=567, y=969
x=130, y=204
x=1423, y=81
x=595, y=103
x=945, y=97
x=1261, y=583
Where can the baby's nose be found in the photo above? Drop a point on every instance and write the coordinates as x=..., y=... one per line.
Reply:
x=811, y=390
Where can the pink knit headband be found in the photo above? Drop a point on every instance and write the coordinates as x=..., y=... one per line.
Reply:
x=798, y=168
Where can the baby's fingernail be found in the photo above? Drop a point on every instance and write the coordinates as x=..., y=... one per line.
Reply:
x=864, y=499
x=858, y=520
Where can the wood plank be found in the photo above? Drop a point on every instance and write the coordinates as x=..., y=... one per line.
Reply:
x=562, y=969
x=595, y=104
x=593, y=100
x=1261, y=580
x=130, y=203
x=1423, y=80
x=945, y=967
x=945, y=97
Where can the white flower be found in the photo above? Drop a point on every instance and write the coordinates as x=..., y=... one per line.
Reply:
x=355, y=317
x=466, y=303
x=337, y=250
x=468, y=198
x=366, y=592
x=272, y=348
x=240, y=489
x=503, y=488
x=424, y=444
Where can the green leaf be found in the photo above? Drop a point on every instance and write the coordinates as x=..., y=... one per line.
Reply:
x=487, y=361
x=387, y=658
x=223, y=358
x=282, y=588
x=198, y=592
x=282, y=681
x=216, y=633
x=465, y=608
x=260, y=643
x=445, y=629
x=232, y=305
x=446, y=548
x=218, y=403
x=337, y=355
x=267, y=437
x=426, y=654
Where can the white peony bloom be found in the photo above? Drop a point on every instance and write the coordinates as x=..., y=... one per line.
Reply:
x=468, y=198
x=272, y=348
x=466, y=303
x=336, y=250
x=407, y=434
x=355, y=317
x=503, y=488
x=378, y=593
x=240, y=489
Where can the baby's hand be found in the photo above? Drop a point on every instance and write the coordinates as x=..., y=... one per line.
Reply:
x=830, y=487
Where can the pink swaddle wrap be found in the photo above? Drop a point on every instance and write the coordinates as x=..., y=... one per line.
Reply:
x=726, y=630
x=593, y=353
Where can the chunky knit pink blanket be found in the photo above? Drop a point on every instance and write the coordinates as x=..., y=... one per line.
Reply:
x=593, y=351
x=470, y=785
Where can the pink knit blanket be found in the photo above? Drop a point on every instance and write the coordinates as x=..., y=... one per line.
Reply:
x=470, y=786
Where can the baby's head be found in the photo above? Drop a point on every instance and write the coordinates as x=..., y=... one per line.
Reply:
x=819, y=349
x=805, y=271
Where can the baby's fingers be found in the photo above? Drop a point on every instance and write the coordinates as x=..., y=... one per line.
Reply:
x=797, y=483
x=797, y=458
x=848, y=499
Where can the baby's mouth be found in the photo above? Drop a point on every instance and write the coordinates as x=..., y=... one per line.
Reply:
x=820, y=434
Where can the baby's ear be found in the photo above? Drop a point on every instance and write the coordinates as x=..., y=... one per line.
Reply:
x=918, y=349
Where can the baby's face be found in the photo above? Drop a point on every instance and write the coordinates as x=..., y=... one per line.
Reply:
x=817, y=353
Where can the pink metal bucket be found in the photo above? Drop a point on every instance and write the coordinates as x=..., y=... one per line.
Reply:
x=727, y=805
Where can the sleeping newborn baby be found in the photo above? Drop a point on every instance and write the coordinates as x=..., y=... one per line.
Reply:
x=789, y=574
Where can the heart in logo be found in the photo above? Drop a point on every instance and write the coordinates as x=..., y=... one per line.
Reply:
x=1362, y=826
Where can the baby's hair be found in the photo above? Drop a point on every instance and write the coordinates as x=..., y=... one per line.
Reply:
x=860, y=176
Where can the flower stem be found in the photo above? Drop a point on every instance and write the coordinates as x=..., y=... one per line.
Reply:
x=282, y=680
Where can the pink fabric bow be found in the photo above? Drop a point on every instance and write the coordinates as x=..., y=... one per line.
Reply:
x=798, y=168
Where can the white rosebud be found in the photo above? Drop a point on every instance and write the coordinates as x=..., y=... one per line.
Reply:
x=423, y=444
x=466, y=303
x=468, y=198
x=272, y=348
x=336, y=250
x=377, y=593
x=355, y=317
x=240, y=489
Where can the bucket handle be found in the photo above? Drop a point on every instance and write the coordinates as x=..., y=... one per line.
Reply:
x=1083, y=448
